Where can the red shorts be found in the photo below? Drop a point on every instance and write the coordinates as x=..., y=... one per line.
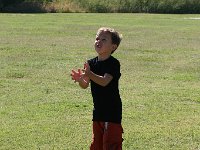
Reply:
x=106, y=136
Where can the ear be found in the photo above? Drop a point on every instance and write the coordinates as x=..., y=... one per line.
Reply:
x=114, y=47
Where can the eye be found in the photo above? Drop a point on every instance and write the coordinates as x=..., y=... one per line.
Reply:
x=103, y=40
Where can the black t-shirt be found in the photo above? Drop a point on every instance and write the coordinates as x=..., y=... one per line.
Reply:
x=107, y=101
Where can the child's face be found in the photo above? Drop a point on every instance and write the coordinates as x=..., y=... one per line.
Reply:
x=103, y=43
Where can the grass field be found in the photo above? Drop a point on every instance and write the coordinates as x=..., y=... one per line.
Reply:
x=41, y=108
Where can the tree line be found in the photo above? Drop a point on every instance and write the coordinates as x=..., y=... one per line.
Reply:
x=102, y=6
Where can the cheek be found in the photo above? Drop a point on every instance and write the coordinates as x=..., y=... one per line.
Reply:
x=95, y=44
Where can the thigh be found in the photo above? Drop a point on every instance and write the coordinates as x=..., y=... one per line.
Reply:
x=98, y=131
x=112, y=139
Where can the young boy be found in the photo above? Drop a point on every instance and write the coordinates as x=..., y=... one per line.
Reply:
x=103, y=73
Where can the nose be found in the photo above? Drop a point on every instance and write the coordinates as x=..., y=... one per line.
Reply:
x=97, y=42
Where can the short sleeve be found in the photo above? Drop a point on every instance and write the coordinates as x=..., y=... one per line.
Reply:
x=113, y=68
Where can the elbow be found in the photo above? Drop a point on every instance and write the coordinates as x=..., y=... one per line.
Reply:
x=84, y=87
x=105, y=83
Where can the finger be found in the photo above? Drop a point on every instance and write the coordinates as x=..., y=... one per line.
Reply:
x=79, y=71
x=74, y=72
x=84, y=65
x=87, y=65
x=72, y=76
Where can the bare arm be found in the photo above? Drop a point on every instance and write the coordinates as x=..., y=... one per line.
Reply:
x=101, y=80
x=84, y=82
x=79, y=77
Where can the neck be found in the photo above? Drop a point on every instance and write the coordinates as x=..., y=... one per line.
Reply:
x=102, y=58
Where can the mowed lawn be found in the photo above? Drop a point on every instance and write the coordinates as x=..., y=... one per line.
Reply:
x=42, y=108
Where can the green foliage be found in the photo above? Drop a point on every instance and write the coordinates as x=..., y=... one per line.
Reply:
x=39, y=1
x=137, y=6
x=172, y=6
x=144, y=6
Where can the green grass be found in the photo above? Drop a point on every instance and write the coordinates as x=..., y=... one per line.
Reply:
x=41, y=108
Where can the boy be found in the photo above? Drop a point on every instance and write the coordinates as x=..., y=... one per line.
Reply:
x=103, y=73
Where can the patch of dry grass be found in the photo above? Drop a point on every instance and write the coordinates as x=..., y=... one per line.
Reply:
x=62, y=6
